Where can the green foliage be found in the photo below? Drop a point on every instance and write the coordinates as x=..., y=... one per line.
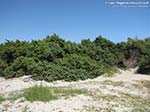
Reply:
x=21, y=66
x=70, y=68
x=48, y=51
x=81, y=67
x=71, y=48
x=3, y=65
x=55, y=39
x=144, y=65
x=40, y=93
x=104, y=43
x=101, y=50
x=53, y=58
x=11, y=50
x=2, y=99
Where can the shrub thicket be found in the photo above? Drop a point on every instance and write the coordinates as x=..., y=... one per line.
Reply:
x=70, y=68
x=56, y=59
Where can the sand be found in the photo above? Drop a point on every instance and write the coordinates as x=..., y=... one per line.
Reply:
x=122, y=82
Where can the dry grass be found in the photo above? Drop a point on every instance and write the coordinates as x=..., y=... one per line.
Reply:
x=125, y=100
x=142, y=86
x=116, y=83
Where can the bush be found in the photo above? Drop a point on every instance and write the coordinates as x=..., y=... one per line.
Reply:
x=21, y=66
x=70, y=68
x=53, y=58
x=144, y=65
x=101, y=50
x=12, y=50
x=45, y=51
x=3, y=65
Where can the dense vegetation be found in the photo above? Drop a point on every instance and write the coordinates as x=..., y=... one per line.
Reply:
x=56, y=59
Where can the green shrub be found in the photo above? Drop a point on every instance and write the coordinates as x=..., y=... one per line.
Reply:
x=144, y=65
x=101, y=50
x=70, y=68
x=3, y=65
x=45, y=51
x=21, y=66
x=53, y=58
x=11, y=50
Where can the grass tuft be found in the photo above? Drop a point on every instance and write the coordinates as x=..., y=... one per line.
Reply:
x=40, y=93
x=2, y=99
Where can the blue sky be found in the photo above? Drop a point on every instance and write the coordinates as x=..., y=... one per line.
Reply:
x=71, y=19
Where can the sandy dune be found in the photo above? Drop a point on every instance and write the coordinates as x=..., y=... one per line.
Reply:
x=123, y=92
